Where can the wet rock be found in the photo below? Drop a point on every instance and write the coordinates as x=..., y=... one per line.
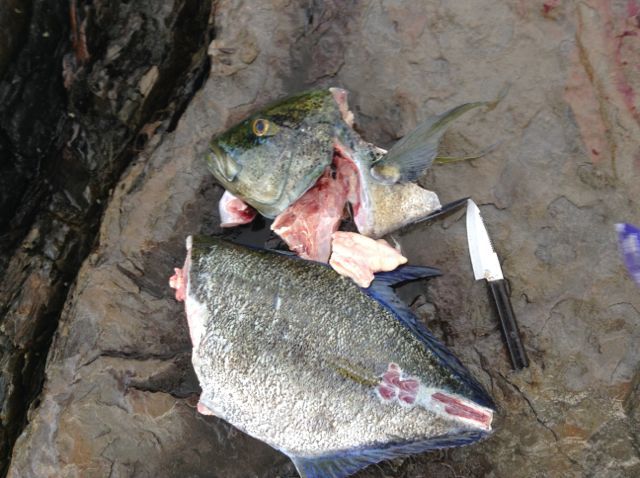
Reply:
x=118, y=377
x=78, y=87
x=13, y=20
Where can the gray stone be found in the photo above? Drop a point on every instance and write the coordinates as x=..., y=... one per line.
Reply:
x=118, y=399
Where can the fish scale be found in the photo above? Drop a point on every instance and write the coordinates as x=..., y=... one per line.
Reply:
x=313, y=391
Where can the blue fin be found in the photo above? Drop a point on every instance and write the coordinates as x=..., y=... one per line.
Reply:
x=404, y=274
x=381, y=291
x=344, y=463
x=444, y=210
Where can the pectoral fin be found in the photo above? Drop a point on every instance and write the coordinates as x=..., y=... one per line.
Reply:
x=455, y=159
x=410, y=157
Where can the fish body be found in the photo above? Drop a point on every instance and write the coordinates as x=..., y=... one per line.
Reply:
x=335, y=376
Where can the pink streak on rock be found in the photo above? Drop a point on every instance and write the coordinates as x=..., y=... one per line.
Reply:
x=583, y=100
x=547, y=7
x=609, y=44
x=630, y=27
x=633, y=8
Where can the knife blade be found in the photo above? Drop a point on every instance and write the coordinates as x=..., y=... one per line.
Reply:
x=486, y=265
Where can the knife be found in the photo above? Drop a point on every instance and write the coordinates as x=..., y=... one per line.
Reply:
x=487, y=266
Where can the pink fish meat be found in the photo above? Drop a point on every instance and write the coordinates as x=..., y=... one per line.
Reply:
x=359, y=257
x=234, y=212
x=306, y=226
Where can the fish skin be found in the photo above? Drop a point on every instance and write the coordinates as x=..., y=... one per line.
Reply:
x=295, y=355
x=379, y=208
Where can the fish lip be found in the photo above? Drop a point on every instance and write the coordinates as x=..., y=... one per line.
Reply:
x=217, y=152
x=220, y=162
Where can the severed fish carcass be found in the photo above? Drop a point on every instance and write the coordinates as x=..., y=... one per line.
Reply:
x=300, y=161
x=335, y=376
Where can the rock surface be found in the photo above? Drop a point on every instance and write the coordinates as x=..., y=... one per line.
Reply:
x=119, y=398
x=81, y=88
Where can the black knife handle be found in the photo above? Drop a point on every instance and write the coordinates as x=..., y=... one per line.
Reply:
x=509, y=325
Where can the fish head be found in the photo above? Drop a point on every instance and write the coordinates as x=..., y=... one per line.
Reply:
x=275, y=155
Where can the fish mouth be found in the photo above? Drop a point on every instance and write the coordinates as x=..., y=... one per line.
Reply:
x=222, y=164
x=218, y=154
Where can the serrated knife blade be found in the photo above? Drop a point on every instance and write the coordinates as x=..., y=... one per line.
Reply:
x=486, y=265
x=484, y=260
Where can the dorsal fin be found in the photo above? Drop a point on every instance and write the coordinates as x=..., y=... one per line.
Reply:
x=406, y=273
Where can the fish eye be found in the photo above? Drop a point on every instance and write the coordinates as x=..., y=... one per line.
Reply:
x=260, y=127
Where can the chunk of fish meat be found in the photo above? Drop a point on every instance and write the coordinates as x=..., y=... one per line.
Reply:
x=359, y=257
x=308, y=222
x=234, y=211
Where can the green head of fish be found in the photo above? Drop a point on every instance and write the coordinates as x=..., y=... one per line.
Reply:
x=271, y=158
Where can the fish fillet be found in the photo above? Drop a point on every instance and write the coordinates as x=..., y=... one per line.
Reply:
x=359, y=257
